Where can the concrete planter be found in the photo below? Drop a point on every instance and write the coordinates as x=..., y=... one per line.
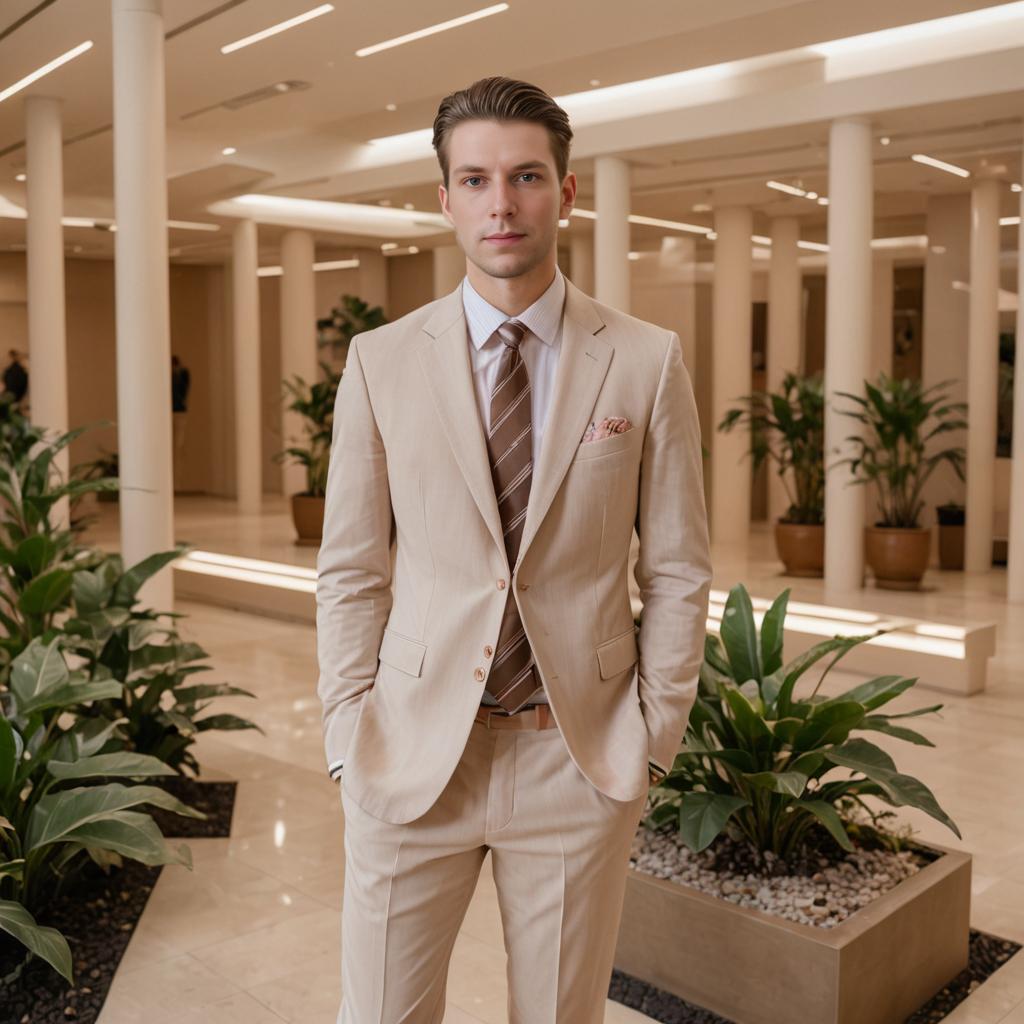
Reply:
x=877, y=967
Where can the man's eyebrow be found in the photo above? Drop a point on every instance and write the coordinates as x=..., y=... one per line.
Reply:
x=470, y=169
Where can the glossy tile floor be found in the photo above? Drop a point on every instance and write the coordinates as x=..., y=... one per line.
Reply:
x=252, y=934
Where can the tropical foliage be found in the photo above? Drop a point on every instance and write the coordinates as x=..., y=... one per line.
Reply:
x=769, y=765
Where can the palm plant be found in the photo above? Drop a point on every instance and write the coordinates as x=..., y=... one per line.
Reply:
x=788, y=427
x=902, y=418
x=315, y=404
x=353, y=316
x=758, y=761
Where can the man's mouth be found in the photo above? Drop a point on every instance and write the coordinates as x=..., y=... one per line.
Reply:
x=503, y=237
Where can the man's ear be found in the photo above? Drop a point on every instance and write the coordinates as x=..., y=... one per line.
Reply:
x=568, y=196
x=442, y=195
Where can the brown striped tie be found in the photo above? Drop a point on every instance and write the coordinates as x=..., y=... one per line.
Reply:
x=514, y=678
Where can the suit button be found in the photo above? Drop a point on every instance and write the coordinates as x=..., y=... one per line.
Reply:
x=478, y=674
x=488, y=650
x=501, y=584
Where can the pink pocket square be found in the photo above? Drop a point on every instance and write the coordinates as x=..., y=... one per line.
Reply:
x=605, y=428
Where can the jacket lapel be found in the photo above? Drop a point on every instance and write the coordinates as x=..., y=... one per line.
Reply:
x=449, y=376
x=582, y=365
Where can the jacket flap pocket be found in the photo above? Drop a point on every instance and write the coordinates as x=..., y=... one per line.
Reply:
x=618, y=654
x=402, y=652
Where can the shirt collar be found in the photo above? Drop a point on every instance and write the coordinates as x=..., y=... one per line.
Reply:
x=542, y=318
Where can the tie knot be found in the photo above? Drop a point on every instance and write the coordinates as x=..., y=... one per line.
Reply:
x=512, y=332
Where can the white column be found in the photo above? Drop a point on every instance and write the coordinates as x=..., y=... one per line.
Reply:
x=847, y=340
x=44, y=235
x=143, y=319
x=611, y=232
x=1015, y=558
x=982, y=375
x=730, y=373
x=298, y=341
x=581, y=259
x=784, y=353
x=373, y=278
x=248, y=433
x=449, y=268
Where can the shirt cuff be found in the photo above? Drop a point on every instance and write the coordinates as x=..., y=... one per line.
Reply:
x=335, y=770
x=658, y=768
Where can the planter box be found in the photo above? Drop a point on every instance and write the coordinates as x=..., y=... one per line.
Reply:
x=877, y=967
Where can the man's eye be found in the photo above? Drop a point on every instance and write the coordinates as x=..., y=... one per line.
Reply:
x=528, y=174
x=472, y=180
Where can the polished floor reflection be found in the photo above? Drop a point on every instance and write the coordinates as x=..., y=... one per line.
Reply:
x=252, y=934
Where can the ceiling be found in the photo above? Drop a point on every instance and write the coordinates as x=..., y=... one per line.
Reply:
x=296, y=142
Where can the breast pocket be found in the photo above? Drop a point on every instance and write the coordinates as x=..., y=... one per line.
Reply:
x=402, y=652
x=607, y=445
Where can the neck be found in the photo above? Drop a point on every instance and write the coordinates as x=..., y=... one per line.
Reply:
x=512, y=295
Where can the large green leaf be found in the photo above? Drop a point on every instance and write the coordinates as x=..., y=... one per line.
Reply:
x=788, y=783
x=38, y=669
x=772, y=633
x=879, y=723
x=750, y=726
x=739, y=635
x=57, y=815
x=47, y=943
x=128, y=585
x=876, y=692
x=224, y=722
x=33, y=555
x=124, y=764
x=899, y=790
x=9, y=754
x=829, y=723
x=89, y=591
x=130, y=834
x=702, y=816
x=794, y=669
x=826, y=814
x=46, y=593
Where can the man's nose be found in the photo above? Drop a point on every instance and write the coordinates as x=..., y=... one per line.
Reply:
x=502, y=200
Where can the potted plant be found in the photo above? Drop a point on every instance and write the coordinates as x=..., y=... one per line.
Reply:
x=788, y=427
x=951, y=517
x=898, y=454
x=315, y=404
x=764, y=885
x=103, y=467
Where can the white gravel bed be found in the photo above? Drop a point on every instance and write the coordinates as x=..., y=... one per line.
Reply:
x=823, y=899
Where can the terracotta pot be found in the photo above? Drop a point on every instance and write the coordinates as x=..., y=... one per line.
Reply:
x=898, y=556
x=308, y=516
x=801, y=548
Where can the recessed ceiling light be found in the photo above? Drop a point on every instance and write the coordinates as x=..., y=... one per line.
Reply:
x=712, y=236
x=823, y=200
x=1015, y=187
x=938, y=249
x=443, y=26
x=408, y=206
x=229, y=151
x=45, y=69
x=701, y=208
x=383, y=202
x=930, y=161
x=283, y=26
x=595, y=81
x=391, y=106
x=387, y=246
x=1009, y=222
x=413, y=249
x=811, y=195
x=885, y=140
x=20, y=177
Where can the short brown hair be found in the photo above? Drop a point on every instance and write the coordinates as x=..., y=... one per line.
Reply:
x=503, y=99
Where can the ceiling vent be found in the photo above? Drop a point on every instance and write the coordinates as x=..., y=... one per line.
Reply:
x=247, y=99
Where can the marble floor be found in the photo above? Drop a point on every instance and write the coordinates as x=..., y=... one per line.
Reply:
x=252, y=933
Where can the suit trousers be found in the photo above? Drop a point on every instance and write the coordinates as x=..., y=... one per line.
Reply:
x=559, y=854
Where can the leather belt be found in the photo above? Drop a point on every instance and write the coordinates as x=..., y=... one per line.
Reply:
x=537, y=716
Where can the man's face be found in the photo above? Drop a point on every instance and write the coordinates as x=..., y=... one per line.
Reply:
x=504, y=197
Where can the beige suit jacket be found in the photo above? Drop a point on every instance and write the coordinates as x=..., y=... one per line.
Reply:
x=413, y=575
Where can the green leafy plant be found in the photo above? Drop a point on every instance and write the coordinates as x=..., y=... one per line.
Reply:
x=353, y=316
x=897, y=452
x=58, y=809
x=761, y=763
x=159, y=708
x=788, y=427
x=315, y=404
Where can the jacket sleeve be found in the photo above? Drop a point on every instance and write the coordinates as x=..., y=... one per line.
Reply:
x=353, y=589
x=673, y=568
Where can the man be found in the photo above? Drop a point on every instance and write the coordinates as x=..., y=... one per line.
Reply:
x=15, y=378
x=479, y=670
